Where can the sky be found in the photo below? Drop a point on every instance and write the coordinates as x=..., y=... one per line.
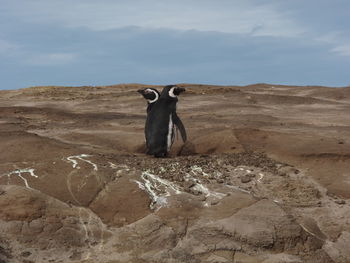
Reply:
x=224, y=42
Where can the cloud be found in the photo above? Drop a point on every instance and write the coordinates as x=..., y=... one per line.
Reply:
x=343, y=50
x=237, y=17
x=133, y=54
x=7, y=48
x=332, y=37
x=163, y=41
x=338, y=42
x=51, y=59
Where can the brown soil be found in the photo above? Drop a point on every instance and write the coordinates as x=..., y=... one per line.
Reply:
x=264, y=176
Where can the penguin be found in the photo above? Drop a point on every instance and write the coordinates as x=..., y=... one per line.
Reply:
x=152, y=95
x=161, y=120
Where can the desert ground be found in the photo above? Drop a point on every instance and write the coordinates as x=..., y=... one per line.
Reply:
x=264, y=176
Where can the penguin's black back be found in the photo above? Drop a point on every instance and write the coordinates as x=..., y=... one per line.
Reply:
x=157, y=125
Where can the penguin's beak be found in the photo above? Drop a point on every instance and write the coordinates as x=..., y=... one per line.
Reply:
x=178, y=90
x=140, y=91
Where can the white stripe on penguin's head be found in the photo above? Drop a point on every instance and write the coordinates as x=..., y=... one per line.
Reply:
x=171, y=92
x=155, y=93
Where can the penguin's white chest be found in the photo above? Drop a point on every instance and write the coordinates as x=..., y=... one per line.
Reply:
x=170, y=133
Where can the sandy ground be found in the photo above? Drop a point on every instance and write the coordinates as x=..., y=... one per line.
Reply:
x=263, y=177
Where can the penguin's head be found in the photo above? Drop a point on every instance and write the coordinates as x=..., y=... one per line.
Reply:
x=172, y=91
x=150, y=94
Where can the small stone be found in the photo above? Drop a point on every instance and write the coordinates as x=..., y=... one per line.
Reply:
x=340, y=202
x=76, y=255
x=287, y=170
x=194, y=192
x=214, y=202
x=246, y=179
x=188, y=184
x=26, y=254
x=202, y=198
x=220, y=181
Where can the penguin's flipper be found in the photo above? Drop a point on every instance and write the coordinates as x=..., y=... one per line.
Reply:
x=180, y=126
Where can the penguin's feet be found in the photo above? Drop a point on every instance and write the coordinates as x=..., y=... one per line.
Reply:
x=160, y=155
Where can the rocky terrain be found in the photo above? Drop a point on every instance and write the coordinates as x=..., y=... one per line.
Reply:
x=263, y=178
